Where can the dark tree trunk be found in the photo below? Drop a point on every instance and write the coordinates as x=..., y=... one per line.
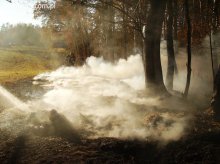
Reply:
x=216, y=15
x=170, y=47
x=153, y=69
x=216, y=96
x=164, y=34
x=175, y=26
x=189, y=70
x=110, y=32
x=125, y=33
x=211, y=52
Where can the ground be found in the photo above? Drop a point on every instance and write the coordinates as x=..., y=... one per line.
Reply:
x=201, y=145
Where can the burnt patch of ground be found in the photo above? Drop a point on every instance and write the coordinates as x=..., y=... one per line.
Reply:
x=201, y=145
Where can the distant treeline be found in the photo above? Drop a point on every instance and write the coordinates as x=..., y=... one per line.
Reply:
x=21, y=34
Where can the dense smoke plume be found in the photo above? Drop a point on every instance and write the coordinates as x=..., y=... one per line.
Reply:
x=102, y=99
x=109, y=100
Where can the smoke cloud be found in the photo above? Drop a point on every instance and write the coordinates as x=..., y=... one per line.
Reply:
x=102, y=99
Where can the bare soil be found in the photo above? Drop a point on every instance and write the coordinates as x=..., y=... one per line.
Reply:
x=201, y=145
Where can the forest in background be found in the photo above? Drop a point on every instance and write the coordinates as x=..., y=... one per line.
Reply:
x=176, y=39
x=25, y=51
x=117, y=81
x=116, y=29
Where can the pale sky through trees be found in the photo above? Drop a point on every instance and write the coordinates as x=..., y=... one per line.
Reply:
x=17, y=12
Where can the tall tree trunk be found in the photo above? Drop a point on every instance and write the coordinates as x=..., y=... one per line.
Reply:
x=153, y=69
x=170, y=47
x=175, y=16
x=111, y=29
x=108, y=30
x=211, y=52
x=175, y=28
x=189, y=40
x=125, y=33
x=215, y=104
x=216, y=15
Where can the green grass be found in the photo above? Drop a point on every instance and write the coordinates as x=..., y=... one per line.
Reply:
x=23, y=62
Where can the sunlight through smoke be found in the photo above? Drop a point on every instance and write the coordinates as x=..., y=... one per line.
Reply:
x=110, y=100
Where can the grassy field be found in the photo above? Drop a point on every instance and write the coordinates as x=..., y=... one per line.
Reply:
x=23, y=62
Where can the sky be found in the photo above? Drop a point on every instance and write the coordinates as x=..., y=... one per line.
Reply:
x=19, y=11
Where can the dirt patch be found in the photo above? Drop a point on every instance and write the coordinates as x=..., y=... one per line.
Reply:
x=201, y=145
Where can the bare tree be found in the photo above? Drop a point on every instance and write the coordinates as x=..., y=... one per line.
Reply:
x=189, y=70
x=170, y=46
x=153, y=69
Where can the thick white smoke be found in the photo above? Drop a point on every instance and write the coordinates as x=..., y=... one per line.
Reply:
x=110, y=100
x=102, y=99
